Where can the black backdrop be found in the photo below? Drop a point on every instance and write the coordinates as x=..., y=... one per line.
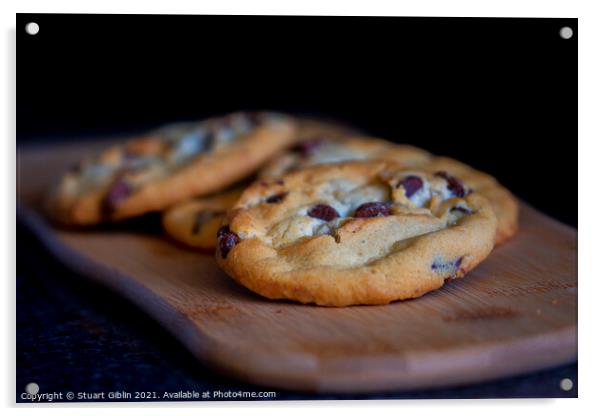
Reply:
x=499, y=94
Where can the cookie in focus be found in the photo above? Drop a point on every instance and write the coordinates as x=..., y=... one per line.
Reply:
x=353, y=233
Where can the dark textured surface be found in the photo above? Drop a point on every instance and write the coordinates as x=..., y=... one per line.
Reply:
x=73, y=335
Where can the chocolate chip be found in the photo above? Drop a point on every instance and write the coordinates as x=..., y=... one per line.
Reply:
x=455, y=185
x=226, y=240
x=323, y=212
x=221, y=231
x=459, y=262
x=119, y=191
x=308, y=146
x=202, y=218
x=411, y=185
x=274, y=199
x=373, y=209
x=447, y=266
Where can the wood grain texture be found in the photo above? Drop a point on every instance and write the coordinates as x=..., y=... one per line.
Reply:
x=515, y=313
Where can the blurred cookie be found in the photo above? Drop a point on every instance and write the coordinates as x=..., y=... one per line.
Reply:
x=169, y=165
x=319, y=150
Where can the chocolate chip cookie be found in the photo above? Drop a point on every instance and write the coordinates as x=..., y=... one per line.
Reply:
x=362, y=232
x=169, y=165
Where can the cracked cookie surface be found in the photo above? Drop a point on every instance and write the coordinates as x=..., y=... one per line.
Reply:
x=167, y=166
x=318, y=150
x=364, y=232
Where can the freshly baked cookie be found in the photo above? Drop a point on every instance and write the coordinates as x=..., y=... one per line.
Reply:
x=316, y=151
x=195, y=222
x=363, y=232
x=167, y=166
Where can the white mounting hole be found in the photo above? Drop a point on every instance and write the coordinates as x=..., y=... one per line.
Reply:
x=32, y=28
x=566, y=384
x=32, y=388
x=566, y=32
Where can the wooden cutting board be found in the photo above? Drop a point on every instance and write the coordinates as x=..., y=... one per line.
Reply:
x=515, y=313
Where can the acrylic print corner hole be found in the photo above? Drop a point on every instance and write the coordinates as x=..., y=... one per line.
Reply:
x=32, y=28
x=566, y=32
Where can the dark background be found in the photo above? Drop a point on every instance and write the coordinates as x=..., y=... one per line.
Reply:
x=499, y=94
